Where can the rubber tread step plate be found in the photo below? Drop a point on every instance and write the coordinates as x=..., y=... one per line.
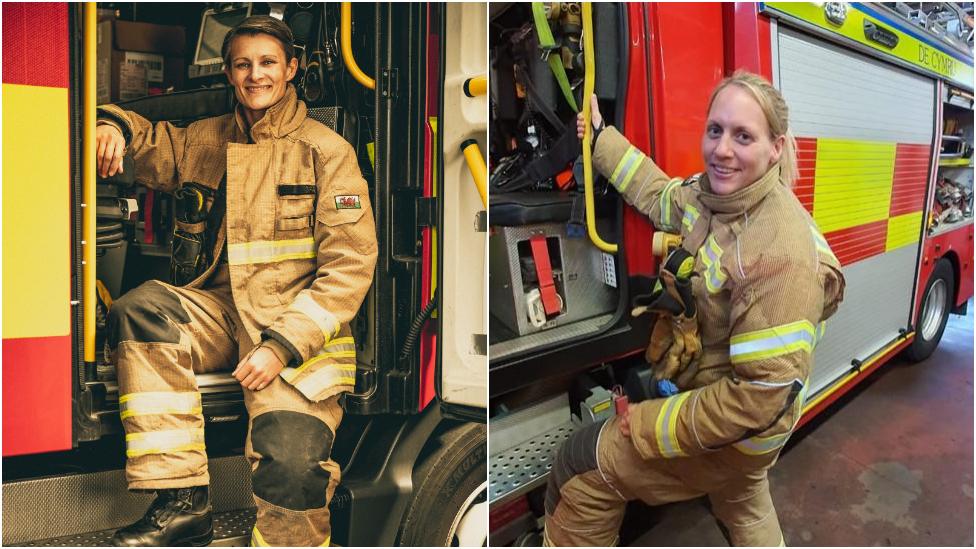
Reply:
x=231, y=528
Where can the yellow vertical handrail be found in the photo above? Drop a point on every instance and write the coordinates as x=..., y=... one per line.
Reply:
x=473, y=87
x=88, y=181
x=345, y=16
x=477, y=166
x=588, y=85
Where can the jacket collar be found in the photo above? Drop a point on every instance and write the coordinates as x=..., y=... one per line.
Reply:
x=279, y=120
x=743, y=199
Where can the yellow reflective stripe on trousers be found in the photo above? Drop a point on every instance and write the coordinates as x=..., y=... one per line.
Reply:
x=257, y=540
x=772, y=342
x=711, y=256
x=667, y=420
x=163, y=442
x=690, y=217
x=344, y=347
x=322, y=318
x=160, y=402
x=666, y=204
x=327, y=377
x=270, y=251
x=626, y=168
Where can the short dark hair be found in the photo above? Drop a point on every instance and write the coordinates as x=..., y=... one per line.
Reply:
x=261, y=24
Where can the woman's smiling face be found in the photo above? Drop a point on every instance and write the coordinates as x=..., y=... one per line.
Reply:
x=737, y=147
x=258, y=71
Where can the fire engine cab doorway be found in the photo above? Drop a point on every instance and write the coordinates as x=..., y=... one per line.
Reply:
x=163, y=62
x=553, y=290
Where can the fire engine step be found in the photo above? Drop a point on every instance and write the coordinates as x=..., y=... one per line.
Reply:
x=525, y=443
x=231, y=529
x=53, y=502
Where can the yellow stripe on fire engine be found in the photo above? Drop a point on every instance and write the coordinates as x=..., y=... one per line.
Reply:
x=907, y=47
x=36, y=212
x=903, y=230
x=270, y=251
x=853, y=183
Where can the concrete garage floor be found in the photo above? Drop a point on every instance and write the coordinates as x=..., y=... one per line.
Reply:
x=889, y=464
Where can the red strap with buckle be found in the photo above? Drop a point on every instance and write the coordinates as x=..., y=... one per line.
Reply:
x=543, y=269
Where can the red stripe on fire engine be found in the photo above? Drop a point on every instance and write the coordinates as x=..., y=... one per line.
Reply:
x=36, y=395
x=853, y=244
x=35, y=44
x=909, y=179
x=806, y=158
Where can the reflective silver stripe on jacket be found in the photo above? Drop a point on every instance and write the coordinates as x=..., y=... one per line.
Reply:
x=772, y=342
x=270, y=251
x=322, y=318
x=324, y=378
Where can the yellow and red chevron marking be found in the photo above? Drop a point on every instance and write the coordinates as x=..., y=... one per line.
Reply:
x=36, y=229
x=867, y=197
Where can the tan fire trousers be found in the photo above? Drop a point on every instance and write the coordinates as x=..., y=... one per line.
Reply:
x=160, y=336
x=597, y=471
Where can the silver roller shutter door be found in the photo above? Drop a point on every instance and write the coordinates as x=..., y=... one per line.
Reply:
x=835, y=93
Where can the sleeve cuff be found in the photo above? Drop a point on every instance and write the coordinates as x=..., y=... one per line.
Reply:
x=283, y=354
x=106, y=116
x=271, y=335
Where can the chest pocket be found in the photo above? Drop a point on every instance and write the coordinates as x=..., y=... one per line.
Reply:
x=340, y=215
x=296, y=208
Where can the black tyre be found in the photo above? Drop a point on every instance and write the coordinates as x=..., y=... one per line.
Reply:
x=450, y=504
x=932, y=317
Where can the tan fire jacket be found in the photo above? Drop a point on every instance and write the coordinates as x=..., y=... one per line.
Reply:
x=768, y=281
x=299, y=230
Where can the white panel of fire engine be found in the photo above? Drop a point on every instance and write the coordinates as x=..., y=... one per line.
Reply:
x=877, y=303
x=834, y=92
x=464, y=318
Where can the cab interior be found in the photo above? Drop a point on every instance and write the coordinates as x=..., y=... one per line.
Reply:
x=135, y=224
x=539, y=240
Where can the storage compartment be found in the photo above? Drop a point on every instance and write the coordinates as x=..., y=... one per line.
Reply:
x=952, y=204
x=549, y=285
x=527, y=259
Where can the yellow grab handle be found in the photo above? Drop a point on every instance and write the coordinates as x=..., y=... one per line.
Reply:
x=588, y=84
x=346, y=47
x=473, y=87
x=479, y=170
x=88, y=182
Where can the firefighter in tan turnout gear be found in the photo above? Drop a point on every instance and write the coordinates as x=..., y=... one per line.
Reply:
x=765, y=282
x=273, y=253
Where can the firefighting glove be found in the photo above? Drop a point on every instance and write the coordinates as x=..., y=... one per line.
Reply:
x=674, y=342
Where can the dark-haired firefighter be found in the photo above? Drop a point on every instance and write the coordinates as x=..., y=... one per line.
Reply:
x=273, y=253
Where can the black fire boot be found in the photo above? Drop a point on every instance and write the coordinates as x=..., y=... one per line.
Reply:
x=177, y=517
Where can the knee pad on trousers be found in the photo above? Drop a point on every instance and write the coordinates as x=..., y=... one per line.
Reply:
x=147, y=315
x=576, y=456
x=291, y=445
